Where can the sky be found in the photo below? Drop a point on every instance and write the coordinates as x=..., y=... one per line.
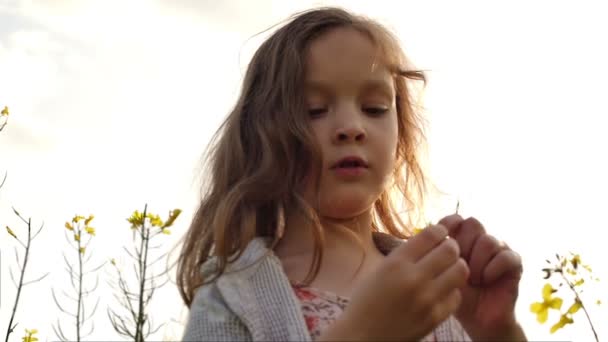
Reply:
x=113, y=102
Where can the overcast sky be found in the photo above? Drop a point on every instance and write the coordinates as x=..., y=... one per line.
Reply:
x=113, y=102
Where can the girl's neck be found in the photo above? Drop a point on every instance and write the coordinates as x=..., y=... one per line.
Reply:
x=338, y=234
x=349, y=252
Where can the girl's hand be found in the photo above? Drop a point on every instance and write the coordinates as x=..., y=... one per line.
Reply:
x=414, y=290
x=488, y=300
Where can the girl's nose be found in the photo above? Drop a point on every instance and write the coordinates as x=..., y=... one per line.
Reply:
x=349, y=133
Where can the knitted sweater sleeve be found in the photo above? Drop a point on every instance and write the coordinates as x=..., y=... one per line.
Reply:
x=210, y=319
x=451, y=330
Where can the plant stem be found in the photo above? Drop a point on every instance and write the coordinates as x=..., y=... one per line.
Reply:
x=582, y=305
x=145, y=238
x=25, y=258
x=78, y=318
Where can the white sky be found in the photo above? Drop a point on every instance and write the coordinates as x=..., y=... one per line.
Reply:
x=112, y=103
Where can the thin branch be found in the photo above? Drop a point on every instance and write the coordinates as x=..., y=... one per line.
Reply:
x=17, y=256
x=38, y=232
x=96, y=268
x=10, y=271
x=35, y=280
x=59, y=305
x=5, y=173
x=59, y=333
x=129, y=253
x=68, y=296
x=94, y=309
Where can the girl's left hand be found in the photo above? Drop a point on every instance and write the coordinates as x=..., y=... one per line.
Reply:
x=487, y=311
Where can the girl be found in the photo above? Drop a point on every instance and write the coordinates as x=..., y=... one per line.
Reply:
x=297, y=236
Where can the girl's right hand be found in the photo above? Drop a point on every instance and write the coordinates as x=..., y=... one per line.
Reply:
x=413, y=291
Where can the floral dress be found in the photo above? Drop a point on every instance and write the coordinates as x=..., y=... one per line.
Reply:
x=320, y=308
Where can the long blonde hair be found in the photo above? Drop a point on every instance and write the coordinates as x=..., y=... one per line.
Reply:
x=263, y=149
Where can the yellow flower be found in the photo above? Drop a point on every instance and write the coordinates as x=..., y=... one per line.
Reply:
x=4, y=111
x=575, y=306
x=81, y=250
x=29, y=335
x=69, y=226
x=77, y=237
x=563, y=320
x=165, y=231
x=90, y=230
x=88, y=220
x=541, y=309
x=575, y=261
x=77, y=218
x=155, y=220
x=136, y=220
x=173, y=214
x=10, y=231
x=579, y=282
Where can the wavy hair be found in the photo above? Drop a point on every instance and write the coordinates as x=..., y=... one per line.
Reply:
x=265, y=146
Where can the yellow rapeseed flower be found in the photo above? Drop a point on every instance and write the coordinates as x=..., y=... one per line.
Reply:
x=77, y=218
x=165, y=231
x=4, y=111
x=136, y=220
x=575, y=306
x=541, y=309
x=81, y=250
x=29, y=335
x=77, y=237
x=563, y=320
x=90, y=230
x=69, y=226
x=155, y=220
x=88, y=220
x=10, y=231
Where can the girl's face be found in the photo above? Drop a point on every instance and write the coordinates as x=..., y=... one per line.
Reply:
x=351, y=103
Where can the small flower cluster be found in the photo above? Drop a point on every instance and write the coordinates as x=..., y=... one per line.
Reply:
x=29, y=335
x=572, y=272
x=78, y=228
x=138, y=220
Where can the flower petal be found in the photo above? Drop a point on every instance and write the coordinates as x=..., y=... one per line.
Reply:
x=555, y=303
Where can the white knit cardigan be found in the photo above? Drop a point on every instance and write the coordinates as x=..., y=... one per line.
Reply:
x=254, y=301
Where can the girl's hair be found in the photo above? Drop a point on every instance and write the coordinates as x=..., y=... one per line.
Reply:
x=264, y=149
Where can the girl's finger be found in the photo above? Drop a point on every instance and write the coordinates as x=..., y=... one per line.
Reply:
x=466, y=235
x=454, y=277
x=483, y=250
x=437, y=261
x=504, y=263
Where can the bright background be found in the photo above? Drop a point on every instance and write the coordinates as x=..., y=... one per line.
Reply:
x=113, y=102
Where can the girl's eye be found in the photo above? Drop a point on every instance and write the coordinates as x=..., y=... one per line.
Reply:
x=375, y=111
x=316, y=112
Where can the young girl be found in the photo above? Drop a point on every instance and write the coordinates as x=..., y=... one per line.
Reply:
x=297, y=236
